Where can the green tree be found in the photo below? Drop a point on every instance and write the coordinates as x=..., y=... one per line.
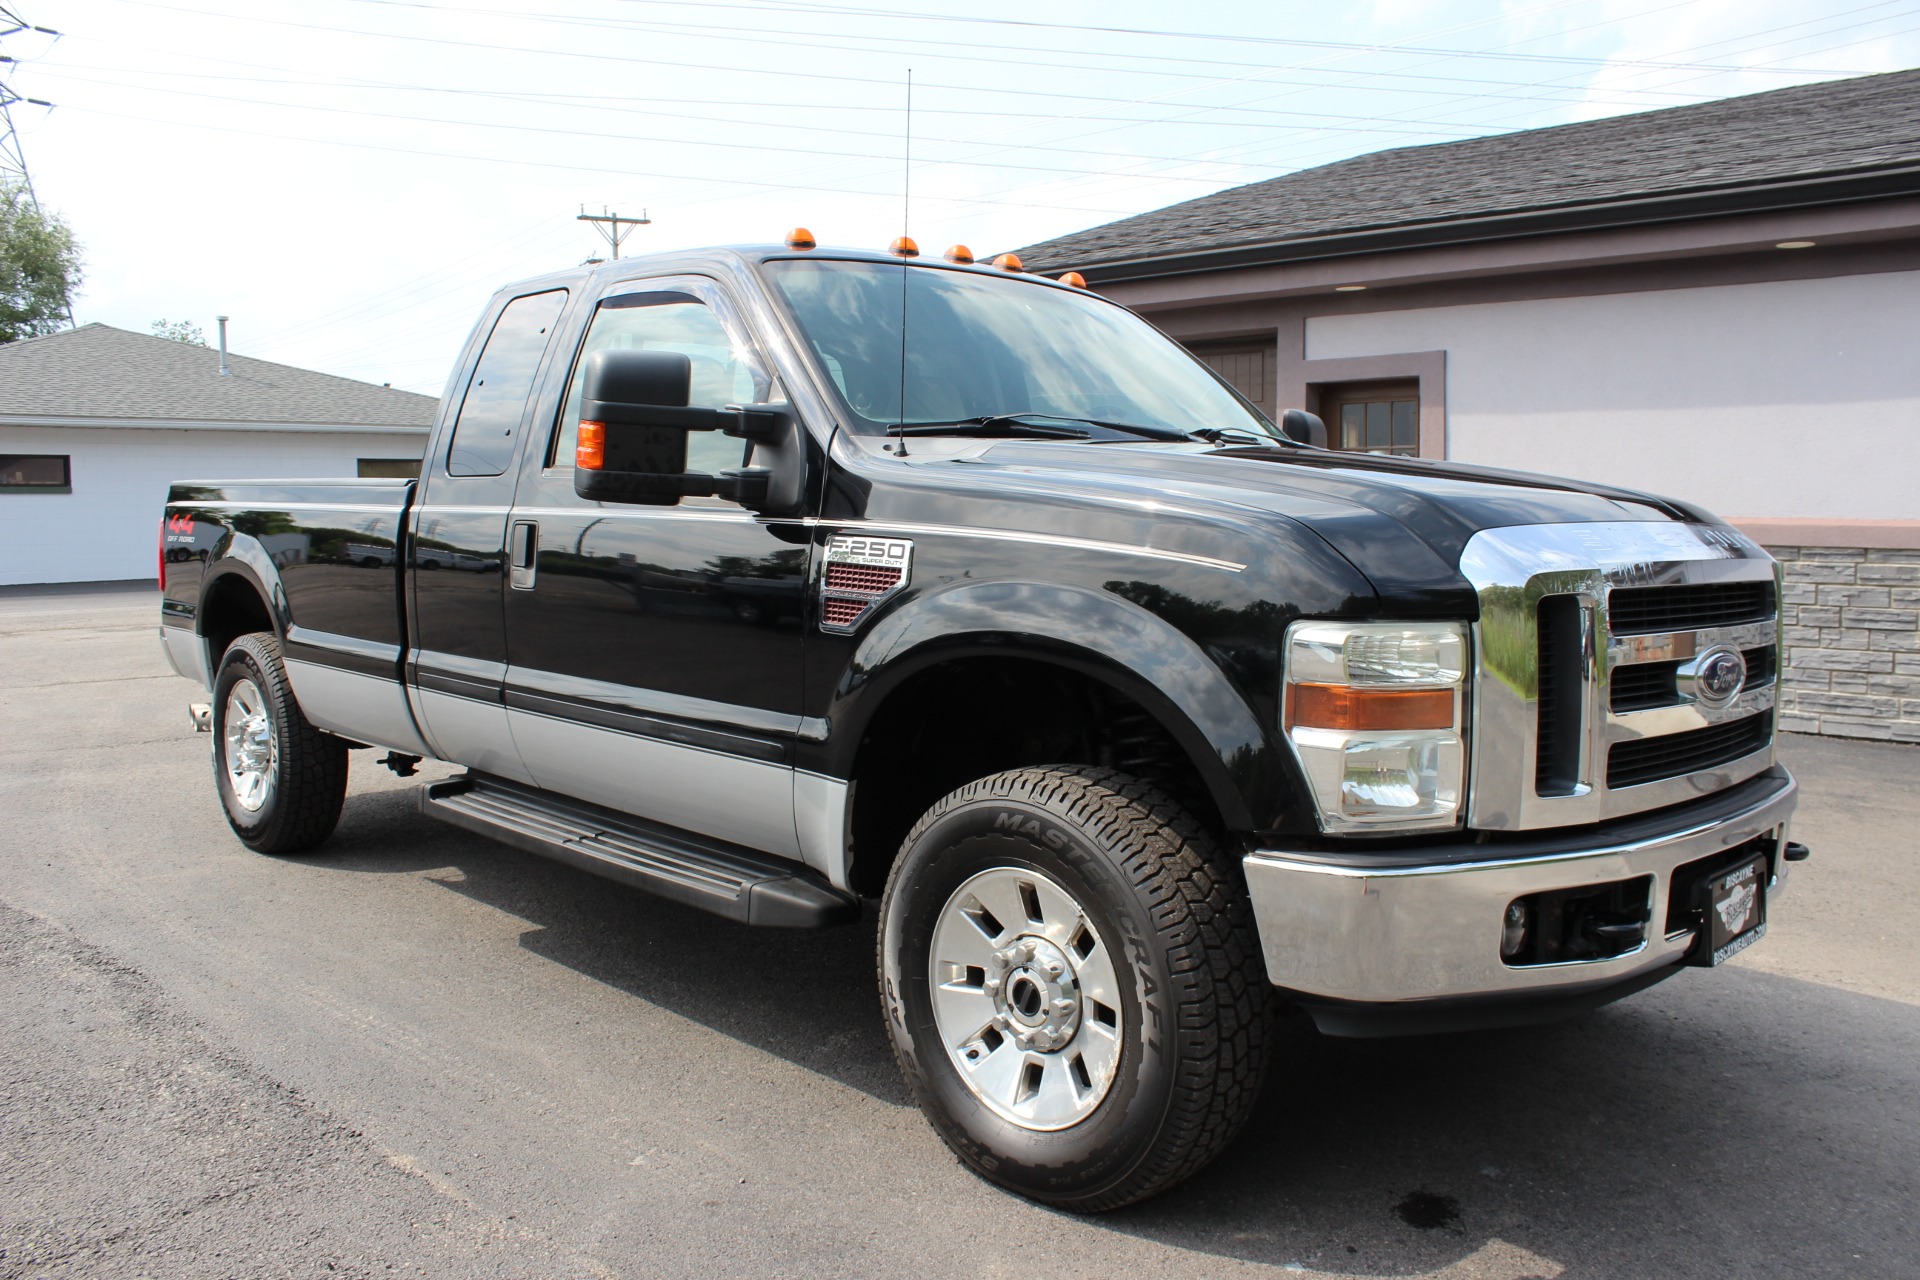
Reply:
x=180, y=331
x=39, y=266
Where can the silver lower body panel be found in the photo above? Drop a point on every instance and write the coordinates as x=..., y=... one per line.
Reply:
x=186, y=653
x=1366, y=933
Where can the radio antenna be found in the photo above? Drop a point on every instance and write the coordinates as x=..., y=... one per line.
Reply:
x=906, y=209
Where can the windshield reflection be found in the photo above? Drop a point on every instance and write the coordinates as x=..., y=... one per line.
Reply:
x=987, y=346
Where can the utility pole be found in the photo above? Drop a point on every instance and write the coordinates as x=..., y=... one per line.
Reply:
x=13, y=157
x=611, y=226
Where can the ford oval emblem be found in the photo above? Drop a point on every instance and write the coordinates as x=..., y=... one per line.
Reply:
x=1718, y=675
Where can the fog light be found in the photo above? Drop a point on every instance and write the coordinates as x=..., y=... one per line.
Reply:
x=1513, y=933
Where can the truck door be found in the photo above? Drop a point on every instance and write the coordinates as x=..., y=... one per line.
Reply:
x=457, y=543
x=655, y=651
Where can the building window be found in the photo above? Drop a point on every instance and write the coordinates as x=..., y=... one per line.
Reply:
x=1375, y=417
x=389, y=468
x=35, y=473
x=1247, y=367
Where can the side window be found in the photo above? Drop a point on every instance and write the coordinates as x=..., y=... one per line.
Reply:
x=667, y=320
x=496, y=399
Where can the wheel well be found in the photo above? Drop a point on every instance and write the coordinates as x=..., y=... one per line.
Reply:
x=962, y=720
x=233, y=608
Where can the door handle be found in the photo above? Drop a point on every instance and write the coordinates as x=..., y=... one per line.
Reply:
x=523, y=550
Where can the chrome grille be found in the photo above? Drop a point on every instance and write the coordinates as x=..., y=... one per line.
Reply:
x=1639, y=610
x=1629, y=764
x=1586, y=705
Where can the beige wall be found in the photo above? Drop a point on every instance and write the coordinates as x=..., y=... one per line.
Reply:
x=1790, y=398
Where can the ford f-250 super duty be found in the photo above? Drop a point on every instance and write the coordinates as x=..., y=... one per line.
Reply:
x=773, y=580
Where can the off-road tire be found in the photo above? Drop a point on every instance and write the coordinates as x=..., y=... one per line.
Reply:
x=1198, y=1027
x=311, y=773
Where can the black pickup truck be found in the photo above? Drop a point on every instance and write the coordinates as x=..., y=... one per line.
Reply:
x=779, y=580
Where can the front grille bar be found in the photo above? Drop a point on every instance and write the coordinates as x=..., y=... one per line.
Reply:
x=1560, y=724
x=1632, y=764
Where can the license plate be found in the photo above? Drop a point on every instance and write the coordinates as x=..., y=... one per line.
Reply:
x=1736, y=915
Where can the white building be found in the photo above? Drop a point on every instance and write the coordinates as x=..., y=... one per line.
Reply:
x=95, y=422
x=1720, y=303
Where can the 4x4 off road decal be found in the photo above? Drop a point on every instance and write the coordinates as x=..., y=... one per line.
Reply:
x=861, y=572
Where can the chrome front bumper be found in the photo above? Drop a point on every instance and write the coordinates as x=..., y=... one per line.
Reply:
x=1347, y=927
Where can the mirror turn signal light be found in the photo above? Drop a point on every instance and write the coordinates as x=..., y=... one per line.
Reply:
x=1339, y=706
x=960, y=255
x=904, y=247
x=590, y=447
x=1075, y=279
x=1009, y=262
x=800, y=238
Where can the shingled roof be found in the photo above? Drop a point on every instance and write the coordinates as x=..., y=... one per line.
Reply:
x=1816, y=143
x=100, y=372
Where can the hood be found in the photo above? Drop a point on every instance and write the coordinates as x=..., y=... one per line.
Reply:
x=1402, y=522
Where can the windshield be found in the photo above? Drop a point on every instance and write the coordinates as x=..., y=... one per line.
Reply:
x=981, y=346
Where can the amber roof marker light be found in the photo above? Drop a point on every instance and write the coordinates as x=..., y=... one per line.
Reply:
x=1009, y=262
x=801, y=238
x=959, y=255
x=904, y=247
x=1074, y=278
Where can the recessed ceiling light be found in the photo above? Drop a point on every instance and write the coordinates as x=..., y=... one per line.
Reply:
x=1794, y=244
x=1348, y=288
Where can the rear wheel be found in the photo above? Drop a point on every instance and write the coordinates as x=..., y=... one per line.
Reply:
x=281, y=780
x=1073, y=985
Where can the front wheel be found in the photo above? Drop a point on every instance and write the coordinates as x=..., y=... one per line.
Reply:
x=1073, y=984
x=281, y=780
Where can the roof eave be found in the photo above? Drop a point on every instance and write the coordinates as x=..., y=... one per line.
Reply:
x=86, y=422
x=1811, y=192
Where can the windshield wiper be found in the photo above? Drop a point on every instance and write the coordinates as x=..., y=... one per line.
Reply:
x=1039, y=424
x=1221, y=435
x=1009, y=424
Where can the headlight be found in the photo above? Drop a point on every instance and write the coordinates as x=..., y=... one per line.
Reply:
x=1373, y=711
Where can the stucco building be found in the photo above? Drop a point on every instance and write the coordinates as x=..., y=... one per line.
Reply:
x=1720, y=301
x=95, y=422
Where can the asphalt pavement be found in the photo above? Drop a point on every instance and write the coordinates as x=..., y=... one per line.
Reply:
x=418, y=1053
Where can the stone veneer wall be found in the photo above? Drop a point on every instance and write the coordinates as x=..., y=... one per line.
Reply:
x=1852, y=619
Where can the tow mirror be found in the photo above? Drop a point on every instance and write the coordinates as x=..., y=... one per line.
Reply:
x=1302, y=427
x=634, y=420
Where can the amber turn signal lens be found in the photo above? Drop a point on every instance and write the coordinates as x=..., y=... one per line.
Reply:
x=800, y=238
x=1339, y=706
x=1075, y=279
x=1009, y=262
x=904, y=247
x=590, y=448
x=960, y=255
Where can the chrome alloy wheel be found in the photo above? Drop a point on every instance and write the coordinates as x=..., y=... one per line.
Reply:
x=252, y=749
x=1026, y=998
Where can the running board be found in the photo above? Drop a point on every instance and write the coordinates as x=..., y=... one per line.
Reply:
x=726, y=879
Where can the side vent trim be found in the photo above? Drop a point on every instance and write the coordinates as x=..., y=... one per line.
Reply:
x=859, y=575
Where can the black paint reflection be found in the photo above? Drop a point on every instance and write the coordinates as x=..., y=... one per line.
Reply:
x=708, y=608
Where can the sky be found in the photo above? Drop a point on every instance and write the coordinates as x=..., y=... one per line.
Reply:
x=349, y=180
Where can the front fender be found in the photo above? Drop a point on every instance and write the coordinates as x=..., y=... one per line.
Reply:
x=1094, y=632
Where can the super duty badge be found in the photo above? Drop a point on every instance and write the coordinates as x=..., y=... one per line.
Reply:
x=861, y=572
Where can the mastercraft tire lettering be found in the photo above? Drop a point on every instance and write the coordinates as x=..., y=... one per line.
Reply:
x=1072, y=984
x=281, y=780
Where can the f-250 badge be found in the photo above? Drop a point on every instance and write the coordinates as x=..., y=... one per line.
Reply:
x=861, y=573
